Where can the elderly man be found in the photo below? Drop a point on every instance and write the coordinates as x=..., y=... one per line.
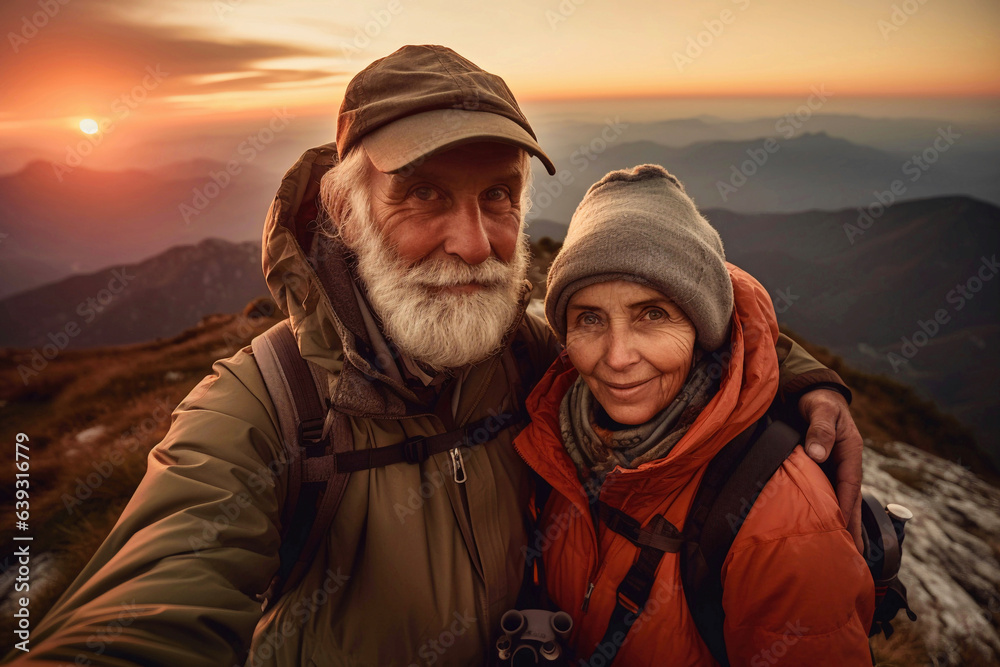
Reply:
x=401, y=260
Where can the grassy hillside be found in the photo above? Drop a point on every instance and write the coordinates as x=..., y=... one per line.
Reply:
x=92, y=416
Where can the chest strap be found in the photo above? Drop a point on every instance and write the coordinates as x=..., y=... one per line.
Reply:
x=633, y=592
x=662, y=536
x=413, y=450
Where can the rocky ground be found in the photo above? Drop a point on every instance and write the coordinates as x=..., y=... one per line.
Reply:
x=951, y=561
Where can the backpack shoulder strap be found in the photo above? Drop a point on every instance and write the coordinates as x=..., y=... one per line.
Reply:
x=731, y=478
x=534, y=592
x=729, y=488
x=298, y=391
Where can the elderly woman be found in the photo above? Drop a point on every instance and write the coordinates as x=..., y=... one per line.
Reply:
x=673, y=356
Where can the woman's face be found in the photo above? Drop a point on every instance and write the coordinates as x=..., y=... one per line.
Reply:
x=632, y=346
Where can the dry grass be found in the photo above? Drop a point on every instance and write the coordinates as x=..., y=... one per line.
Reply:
x=80, y=487
x=904, y=649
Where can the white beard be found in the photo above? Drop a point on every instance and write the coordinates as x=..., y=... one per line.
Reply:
x=440, y=329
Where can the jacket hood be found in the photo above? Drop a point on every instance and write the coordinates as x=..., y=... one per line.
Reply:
x=747, y=388
x=309, y=276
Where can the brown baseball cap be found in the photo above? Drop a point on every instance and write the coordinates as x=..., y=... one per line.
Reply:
x=424, y=99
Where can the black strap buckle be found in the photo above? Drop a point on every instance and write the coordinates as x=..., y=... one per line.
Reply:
x=310, y=430
x=415, y=450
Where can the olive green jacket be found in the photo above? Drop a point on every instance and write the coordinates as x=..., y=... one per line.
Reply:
x=416, y=569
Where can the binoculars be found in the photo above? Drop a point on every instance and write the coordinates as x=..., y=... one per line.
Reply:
x=533, y=637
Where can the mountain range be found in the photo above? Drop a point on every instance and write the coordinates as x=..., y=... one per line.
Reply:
x=56, y=222
x=135, y=302
x=814, y=170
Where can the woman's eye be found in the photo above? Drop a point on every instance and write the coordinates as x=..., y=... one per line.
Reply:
x=424, y=193
x=589, y=319
x=655, y=314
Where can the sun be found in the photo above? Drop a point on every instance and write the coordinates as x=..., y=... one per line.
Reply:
x=88, y=126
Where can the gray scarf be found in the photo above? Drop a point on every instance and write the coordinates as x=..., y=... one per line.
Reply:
x=596, y=451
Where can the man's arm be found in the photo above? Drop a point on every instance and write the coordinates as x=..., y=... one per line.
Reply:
x=817, y=394
x=799, y=372
x=173, y=583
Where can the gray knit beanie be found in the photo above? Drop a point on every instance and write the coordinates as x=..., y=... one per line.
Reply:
x=640, y=225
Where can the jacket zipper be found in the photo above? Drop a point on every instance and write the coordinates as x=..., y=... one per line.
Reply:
x=458, y=465
x=592, y=576
x=586, y=596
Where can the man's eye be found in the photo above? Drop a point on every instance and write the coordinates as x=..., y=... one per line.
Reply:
x=424, y=193
x=496, y=194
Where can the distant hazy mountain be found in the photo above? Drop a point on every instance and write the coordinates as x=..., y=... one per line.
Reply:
x=128, y=303
x=893, y=135
x=63, y=223
x=810, y=171
x=925, y=271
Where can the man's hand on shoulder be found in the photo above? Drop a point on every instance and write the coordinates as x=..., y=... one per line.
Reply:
x=833, y=434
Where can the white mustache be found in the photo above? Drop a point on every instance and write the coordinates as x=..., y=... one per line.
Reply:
x=455, y=272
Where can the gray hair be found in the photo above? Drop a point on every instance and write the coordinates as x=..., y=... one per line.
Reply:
x=346, y=189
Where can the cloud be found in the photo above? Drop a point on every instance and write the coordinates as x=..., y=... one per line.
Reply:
x=87, y=53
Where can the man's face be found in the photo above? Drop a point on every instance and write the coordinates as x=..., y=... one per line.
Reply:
x=463, y=204
x=441, y=252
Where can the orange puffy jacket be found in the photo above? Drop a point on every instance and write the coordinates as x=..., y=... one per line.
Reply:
x=795, y=589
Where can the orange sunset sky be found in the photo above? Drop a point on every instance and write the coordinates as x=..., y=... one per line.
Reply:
x=219, y=59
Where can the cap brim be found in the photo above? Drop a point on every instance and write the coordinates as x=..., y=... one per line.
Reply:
x=404, y=141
